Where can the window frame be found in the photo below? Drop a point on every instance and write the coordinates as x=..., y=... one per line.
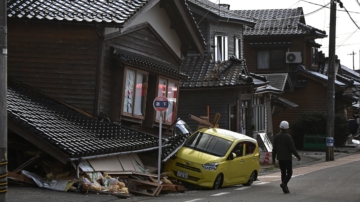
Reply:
x=249, y=145
x=132, y=114
x=238, y=47
x=172, y=104
x=236, y=148
x=224, y=48
x=270, y=63
x=259, y=115
x=314, y=56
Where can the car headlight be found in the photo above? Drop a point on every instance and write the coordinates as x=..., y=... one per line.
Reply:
x=210, y=166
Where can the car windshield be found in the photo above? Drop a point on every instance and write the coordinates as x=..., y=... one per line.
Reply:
x=208, y=144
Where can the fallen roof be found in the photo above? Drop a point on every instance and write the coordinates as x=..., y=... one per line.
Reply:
x=68, y=134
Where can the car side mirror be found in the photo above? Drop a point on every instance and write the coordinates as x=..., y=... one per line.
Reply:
x=232, y=156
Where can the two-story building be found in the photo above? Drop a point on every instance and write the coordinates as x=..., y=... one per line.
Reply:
x=220, y=81
x=282, y=47
x=84, y=74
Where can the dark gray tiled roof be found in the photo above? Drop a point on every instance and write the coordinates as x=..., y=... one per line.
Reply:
x=286, y=102
x=204, y=72
x=220, y=11
x=351, y=74
x=322, y=77
x=277, y=80
x=101, y=11
x=146, y=64
x=278, y=22
x=73, y=133
x=267, y=89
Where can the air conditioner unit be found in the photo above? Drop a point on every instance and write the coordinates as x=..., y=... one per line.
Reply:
x=293, y=57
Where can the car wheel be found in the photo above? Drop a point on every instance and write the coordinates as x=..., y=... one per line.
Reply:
x=252, y=178
x=218, y=181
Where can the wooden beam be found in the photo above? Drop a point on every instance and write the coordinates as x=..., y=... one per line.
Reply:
x=37, y=141
x=21, y=178
x=27, y=163
x=201, y=120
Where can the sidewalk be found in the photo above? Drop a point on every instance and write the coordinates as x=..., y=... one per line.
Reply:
x=308, y=157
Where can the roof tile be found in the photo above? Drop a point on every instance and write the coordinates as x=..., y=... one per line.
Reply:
x=115, y=11
x=74, y=133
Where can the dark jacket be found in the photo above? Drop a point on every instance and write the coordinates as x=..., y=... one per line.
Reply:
x=283, y=147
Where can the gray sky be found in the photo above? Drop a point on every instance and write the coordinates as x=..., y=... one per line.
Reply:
x=347, y=33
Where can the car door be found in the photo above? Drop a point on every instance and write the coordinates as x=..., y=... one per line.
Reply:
x=249, y=159
x=234, y=173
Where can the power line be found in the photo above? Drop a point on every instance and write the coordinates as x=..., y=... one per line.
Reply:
x=347, y=38
x=349, y=44
x=351, y=18
x=328, y=7
x=217, y=1
x=348, y=12
x=296, y=3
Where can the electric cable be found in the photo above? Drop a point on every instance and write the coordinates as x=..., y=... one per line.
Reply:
x=207, y=12
x=351, y=18
x=329, y=7
x=347, y=38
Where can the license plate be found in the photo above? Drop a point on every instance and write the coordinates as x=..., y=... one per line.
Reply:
x=182, y=174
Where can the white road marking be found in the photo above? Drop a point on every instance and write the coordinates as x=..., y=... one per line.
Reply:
x=242, y=188
x=297, y=175
x=261, y=183
x=220, y=194
x=269, y=176
x=197, y=199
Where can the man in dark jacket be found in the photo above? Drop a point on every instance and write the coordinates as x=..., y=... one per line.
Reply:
x=283, y=149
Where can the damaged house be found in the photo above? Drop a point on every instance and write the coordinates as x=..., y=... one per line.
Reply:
x=220, y=81
x=282, y=47
x=83, y=76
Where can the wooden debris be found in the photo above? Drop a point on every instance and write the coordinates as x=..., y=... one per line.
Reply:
x=172, y=188
x=144, y=187
x=20, y=178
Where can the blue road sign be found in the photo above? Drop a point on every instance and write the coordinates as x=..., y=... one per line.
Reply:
x=329, y=141
x=161, y=103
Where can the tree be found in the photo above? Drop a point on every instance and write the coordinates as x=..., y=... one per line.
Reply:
x=315, y=123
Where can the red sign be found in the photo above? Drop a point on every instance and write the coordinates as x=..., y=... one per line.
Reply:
x=161, y=103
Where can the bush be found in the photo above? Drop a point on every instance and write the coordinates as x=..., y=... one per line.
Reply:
x=315, y=123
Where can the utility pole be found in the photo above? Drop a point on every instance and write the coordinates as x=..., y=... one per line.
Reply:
x=331, y=84
x=3, y=102
x=353, y=54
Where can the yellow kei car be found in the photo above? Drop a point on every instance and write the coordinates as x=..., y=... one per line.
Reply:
x=214, y=158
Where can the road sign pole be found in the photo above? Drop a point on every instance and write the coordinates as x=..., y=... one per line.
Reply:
x=160, y=104
x=160, y=150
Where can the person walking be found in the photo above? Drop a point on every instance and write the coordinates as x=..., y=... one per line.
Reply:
x=283, y=150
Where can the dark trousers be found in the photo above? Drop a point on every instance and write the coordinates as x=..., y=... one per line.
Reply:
x=286, y=170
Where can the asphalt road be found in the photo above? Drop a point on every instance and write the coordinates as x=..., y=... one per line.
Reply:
x=321, y=182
